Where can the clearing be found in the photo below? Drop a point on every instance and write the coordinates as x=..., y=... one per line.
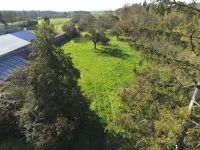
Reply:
x=104, y=73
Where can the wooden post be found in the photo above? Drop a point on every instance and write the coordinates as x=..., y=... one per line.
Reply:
x=195, y=98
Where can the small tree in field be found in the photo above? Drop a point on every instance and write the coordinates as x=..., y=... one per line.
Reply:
x=116, y=30
x=96, y=36
x=53, y=106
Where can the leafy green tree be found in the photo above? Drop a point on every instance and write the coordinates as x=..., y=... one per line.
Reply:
x=54, y=106
x=70, y=30
x=116, y=30
x=96, y=36
x=12, y=97
x=149, y=110
x=171, y=20
x=84, y=20
x=108, y=20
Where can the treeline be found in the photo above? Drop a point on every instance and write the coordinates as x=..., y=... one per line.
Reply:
x=13, y=16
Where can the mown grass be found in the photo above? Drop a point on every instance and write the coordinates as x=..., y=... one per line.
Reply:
x=104, y=72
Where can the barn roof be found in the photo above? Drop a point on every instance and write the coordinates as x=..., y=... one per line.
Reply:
x=9, y=43
x=13, y=51
x=11, y=63
x=25, y=35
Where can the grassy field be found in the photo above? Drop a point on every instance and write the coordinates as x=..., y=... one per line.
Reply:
x=58, y=22
x=104, y=72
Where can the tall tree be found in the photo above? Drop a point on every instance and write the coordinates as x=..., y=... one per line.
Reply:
x=54, y=106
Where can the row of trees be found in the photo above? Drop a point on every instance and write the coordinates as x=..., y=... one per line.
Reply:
x=13, y=16
x=155, y=106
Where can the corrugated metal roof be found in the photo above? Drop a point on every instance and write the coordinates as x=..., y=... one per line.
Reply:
x=9, y=43
x=10, y=64
x=13, y=41
x=13, y=51
x=25, y=35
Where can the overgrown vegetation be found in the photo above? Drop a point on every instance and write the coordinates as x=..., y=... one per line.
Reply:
x=135, y=84
x=155, y=106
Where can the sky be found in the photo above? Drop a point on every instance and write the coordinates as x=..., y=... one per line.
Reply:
x=66, y=5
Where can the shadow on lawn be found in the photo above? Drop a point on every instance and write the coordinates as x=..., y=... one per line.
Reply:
x=77, y=40
x=113, y=51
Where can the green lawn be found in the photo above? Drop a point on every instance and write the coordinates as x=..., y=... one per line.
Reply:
x=104, y=72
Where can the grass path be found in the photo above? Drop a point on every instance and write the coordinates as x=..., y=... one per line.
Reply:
x=104, y=72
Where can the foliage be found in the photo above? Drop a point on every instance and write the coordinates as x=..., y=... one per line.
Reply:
x=97, y=36
x=11, y=101
x=154, y=110
x=84, y=20
x=14, y=144
x=29, y=24
x=116, y=30
x=54, y=106
x=108, y=20
x=70, y=30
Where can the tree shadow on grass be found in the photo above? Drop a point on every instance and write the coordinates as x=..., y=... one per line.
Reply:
x=94, y=136
x=112, y=52
x=77, y=40
x=91, y=136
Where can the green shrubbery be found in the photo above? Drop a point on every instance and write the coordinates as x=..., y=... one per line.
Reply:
x=70, y=30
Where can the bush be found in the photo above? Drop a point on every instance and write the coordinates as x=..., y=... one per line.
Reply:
x=29, y=24
x=12, y=96
x=70, y=30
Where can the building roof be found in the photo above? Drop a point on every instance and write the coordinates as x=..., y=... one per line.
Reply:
x=13, y=52
x=11, y=63
x=9, y=43
x=25, y=35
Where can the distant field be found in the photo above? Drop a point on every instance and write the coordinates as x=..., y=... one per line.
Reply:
x=104, y=72
x=58, y=22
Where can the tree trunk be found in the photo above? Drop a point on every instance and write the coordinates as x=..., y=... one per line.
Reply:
x=95, y=45
x=191, y=42
x=195, y=98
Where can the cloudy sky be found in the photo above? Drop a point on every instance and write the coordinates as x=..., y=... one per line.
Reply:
x=66, y=5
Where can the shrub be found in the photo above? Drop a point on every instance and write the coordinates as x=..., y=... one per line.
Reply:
x=70, y=30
